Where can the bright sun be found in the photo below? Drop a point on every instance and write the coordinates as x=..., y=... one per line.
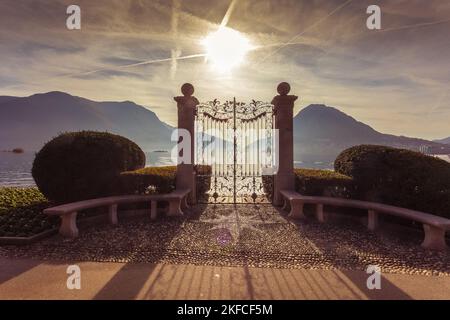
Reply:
x=226, y=48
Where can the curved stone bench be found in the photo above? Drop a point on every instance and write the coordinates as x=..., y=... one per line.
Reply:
x=68, y=212
x=434, y=226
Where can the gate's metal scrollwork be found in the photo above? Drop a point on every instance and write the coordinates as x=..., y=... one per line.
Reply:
x=234, y=154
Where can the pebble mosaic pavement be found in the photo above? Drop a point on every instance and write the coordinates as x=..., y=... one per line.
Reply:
x=228, y=235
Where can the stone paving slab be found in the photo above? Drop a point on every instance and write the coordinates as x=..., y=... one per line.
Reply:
x=245, y=235
x=37, y=279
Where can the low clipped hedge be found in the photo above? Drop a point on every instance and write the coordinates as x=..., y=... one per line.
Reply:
x=84, y=165
x=398, y=177
x=203, y=179
x=16, y=197
x=150, y=180
x=157, y=180
x=313, y=182
x=268, y=186
x=21, y=212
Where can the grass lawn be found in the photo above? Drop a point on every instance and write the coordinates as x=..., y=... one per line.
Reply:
x=21, y=212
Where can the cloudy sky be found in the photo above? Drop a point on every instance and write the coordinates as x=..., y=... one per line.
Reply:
x=396, y=79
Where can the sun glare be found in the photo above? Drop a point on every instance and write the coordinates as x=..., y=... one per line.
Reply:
x=226, y=48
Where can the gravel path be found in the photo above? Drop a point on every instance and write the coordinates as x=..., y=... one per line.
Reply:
x=259, y=236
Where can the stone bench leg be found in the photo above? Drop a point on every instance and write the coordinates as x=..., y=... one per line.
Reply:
x=174, y=208
x=434, y=238
x=184, y=203
x=153, y=209
x=372, y=220
x=296, y=209
x=285, y=204
x=112, y=214
x=320, y=214
x=68, y=226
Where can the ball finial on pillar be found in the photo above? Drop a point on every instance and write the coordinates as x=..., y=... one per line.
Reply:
x=283, y=88
x=187, y=89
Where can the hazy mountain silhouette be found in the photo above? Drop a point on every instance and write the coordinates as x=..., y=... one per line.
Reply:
x=29, y=122
x=321, y=132
x=445, y=140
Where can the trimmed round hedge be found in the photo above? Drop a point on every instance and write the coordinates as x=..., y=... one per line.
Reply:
x=398, y=177
x=84, y=165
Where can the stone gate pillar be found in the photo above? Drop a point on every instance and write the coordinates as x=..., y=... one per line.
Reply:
x=187, y=105
x=284, y=114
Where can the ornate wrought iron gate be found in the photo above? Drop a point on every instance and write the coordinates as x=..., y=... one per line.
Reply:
x=234, y=154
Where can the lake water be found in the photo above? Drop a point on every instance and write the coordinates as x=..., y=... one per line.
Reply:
x=15, y=169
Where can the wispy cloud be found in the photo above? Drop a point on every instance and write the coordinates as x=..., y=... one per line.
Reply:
x=143, y=51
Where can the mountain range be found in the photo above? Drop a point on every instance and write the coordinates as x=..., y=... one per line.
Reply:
x=445, y=140
x=29, y=122
x=320, y=132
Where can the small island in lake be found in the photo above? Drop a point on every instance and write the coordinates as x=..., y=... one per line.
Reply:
x=15, y=150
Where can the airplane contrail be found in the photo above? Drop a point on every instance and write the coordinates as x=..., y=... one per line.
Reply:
x=326, y=52
x=374, y=32
x=281, y=45
x=227, y=16
x=192, y=56
x=304, y=31
x=175, y=52
x=135, y=65
x=225, y=20
x=408, y=26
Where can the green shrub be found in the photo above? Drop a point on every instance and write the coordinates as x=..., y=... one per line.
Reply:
x=398, y=177
x=83, y=165
x=21, y=212
x=203, y=179
x=268, y=185
x=203, y=170
x=160, y=180
x=314, y=182
x=11, y=197
x=148, y=180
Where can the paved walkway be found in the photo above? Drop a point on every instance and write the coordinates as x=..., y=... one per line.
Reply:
x=245, y=235
x=33, y=279
x=226, y=252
